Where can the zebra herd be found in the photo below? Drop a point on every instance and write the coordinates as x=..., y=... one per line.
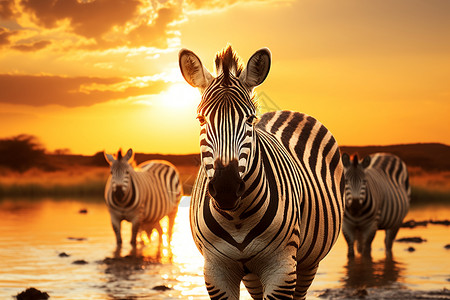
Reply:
x=268, y=202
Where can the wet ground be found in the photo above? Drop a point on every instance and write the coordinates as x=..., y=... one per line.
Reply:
x=65, y=248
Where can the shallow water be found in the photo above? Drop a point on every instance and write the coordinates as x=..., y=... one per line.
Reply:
x=34, y=232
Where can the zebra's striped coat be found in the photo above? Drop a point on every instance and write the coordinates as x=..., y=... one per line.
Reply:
x=377, y=194
x=142, y=195
x=290, y=212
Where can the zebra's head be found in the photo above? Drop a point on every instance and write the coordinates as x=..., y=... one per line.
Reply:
x=120, y=172
x=355, y=182
x=227, y=115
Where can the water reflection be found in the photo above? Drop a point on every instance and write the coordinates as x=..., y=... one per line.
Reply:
x=34, y=232
x=364, y=272
x=130, y=276
x=120, y=273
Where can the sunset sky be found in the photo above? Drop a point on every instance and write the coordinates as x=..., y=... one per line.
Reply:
x=93, y=75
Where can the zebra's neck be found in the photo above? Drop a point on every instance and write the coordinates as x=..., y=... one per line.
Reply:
x=128, y=197
x=256, y=182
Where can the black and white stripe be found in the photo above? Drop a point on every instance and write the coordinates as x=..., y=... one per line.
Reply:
x=377, y=195
x=142, y=195
x=267, y=204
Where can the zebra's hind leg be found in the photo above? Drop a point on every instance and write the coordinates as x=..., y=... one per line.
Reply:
x=172, y=215
x=389, y=240
x=158, y=228
x=253, y=285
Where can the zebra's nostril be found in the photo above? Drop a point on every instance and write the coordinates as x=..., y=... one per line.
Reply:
x=211, y=189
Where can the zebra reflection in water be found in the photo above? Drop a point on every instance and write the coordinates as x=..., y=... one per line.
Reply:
x=363, y=272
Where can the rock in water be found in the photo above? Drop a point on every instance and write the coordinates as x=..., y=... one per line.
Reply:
x=161, y=288
x=32, y=294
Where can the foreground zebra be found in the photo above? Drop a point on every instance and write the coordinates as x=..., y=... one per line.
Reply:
x=267, y=204
x=142, y=196
x=377, y=195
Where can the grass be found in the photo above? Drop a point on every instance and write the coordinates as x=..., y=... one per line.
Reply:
x=80, y=181
x=76, y=182
x=87, y=181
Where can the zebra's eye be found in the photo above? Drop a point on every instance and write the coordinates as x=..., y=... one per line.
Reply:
x=202, y=120
x=251, y=119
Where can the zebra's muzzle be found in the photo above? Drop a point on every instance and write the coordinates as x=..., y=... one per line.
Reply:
x=226, y=186
x=118, y=193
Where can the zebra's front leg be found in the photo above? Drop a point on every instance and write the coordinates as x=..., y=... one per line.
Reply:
x=279, y=277
x=135, y=224
x=116, y=225
x=222, y=279
x=389, y=240
x=367, y=236
x=305, y=277
x=349, y=235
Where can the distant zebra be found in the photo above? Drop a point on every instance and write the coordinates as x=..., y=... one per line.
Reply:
x=142, y=196
x=377, y=195
x=267, y=204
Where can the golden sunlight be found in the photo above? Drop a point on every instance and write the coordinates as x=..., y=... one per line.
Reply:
x=180, y=96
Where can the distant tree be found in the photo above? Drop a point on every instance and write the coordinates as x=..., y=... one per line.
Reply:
x=98, y=159
x=21, y=152
x=63, y=151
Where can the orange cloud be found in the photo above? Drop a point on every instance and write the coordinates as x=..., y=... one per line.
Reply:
x=70, y=92
x=91, y=25
x=155, y=33
x=87, y=18
x=5, y=34
x=31, y=46
x=6, y=9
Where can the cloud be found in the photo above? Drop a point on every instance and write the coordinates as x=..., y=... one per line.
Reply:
x=5, y=34
x=90, y=19
x=155, y=34
x=32, y=46
x=95, y=24
x=71, y=91
x=214, y=4
x=6, y=9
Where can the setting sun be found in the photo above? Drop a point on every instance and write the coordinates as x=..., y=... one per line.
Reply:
x=181, y=96
x=84, y=83
x=262, y=211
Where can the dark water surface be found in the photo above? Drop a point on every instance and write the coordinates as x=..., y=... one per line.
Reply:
x=33, y=234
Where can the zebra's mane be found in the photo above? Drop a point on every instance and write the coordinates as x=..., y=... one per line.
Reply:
x=355, y=160
x=227, y=61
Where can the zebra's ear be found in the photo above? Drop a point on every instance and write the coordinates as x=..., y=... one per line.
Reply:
x=128, y=155
x=193, y=71
x=366, y=162
x=109, y=158
x=257, y=69
x=346, y=160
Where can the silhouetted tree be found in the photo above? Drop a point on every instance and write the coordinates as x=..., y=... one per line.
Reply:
x=21, y=152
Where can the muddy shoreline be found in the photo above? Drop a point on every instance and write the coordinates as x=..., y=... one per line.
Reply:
x=382, y=293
